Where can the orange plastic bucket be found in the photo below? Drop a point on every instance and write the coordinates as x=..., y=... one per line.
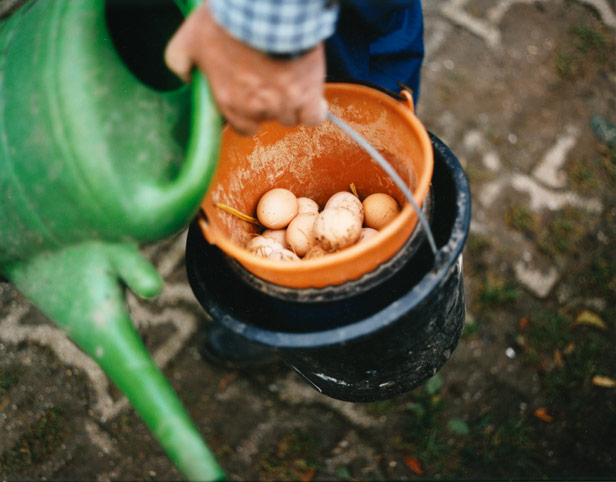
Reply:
x=317, y=162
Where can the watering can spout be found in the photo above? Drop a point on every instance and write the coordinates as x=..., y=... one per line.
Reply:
x=96, y=319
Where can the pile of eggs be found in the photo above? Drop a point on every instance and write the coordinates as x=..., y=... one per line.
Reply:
x=295, y=229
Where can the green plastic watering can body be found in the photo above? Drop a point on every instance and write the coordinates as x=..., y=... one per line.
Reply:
x=89, y=152
x=92, y=163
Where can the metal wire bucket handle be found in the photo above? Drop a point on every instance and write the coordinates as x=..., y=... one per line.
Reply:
x=380, y=160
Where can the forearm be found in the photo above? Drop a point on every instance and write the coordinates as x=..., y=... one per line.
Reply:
x=248, y=85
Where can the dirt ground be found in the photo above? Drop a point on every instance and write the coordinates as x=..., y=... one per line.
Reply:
x=524, y=93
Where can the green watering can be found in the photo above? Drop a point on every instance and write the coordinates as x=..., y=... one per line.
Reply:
x=91, y=164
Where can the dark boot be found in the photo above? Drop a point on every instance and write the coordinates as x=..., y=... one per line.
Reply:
x=222, y=347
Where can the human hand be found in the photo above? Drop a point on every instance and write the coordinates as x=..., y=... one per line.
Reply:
x=248, y=86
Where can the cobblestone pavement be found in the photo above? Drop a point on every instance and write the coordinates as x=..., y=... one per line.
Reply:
x=512, y=87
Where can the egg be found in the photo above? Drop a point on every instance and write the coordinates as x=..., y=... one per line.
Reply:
x=366, y=233
x=284, y=255
x=316, y=251
x=277, y=208
x=346, y=200
x=379, y=210
x=307, y=205
x=336, y=228
x=279, y=235
x=262, y=246
x=300, y=233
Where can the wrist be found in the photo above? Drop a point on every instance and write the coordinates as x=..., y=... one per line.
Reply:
x=288, y=56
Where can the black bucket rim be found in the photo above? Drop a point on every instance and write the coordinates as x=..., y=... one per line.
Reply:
x=450, y=253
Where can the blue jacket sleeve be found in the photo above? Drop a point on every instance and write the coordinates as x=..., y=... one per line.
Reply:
x=378, y=42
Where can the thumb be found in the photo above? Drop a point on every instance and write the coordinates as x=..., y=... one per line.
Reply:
x=177, y=57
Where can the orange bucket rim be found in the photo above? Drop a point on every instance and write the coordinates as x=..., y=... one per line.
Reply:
x=407, y=214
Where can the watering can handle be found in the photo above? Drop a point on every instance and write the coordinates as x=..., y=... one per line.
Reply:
x=200, y=160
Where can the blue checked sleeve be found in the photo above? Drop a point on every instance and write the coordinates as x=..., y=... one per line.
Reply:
x=277, y=26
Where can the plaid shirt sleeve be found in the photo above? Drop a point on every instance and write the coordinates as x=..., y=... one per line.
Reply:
x=277, y=26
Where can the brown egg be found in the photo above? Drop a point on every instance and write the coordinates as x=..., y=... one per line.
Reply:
x=279, y=235
x=344, y=199
x=336, y=228
x=262, y=246
x=307, y=205
x=284, y=255
x=300, y=233
x=316, y=251
x=379, y=210
x=277, y=208
x=366, y=233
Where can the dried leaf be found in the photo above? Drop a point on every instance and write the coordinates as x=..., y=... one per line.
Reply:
x=308, y=475
x=589, y=318
x=414, y=464
x=224, y=383
x=354, y=190
x=523, y=324
x=238, y=214
x=569, y=349
x=558, y=358
x=602, y=381
x=542, y=414
x=521, y=342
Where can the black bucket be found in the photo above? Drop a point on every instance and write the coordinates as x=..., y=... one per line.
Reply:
x=365, y=340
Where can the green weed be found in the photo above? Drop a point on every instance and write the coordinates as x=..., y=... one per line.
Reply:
x=608, y=161
x=508, y=449
x=477, y=245
x=9, y=378
x=588, y=38
x=472, y=325
x=42, y=438
x=604, y=272
x=568, y=384
x=565, y=64
x=295, y=455
x=548, y=331
x=569, y=356
x=382, y=407
x=563, y=233
x=522, y=219
x=423, y=425
x=453, y=447
x=495, y=290
x=586, y=175
x=344, y=474
x=586, y=49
